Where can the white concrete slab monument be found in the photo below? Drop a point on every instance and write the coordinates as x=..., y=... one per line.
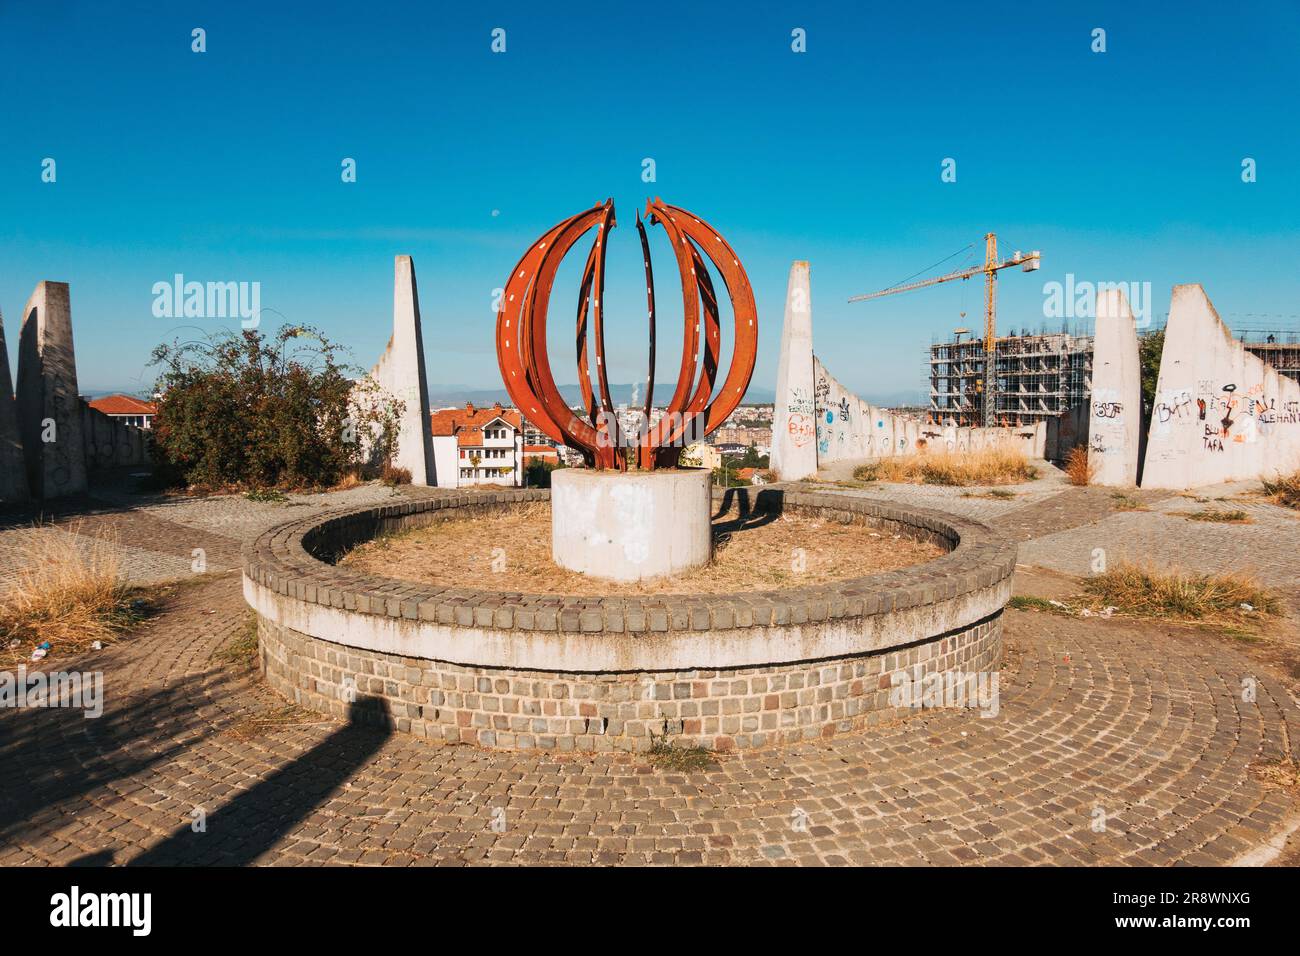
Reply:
x=48, y=403
x=13, y=466
x=794, y=428
x=1220, y=413
x=400, y=372
x=1115, y=415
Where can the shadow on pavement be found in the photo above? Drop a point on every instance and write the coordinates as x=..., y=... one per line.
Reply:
x=258, y=818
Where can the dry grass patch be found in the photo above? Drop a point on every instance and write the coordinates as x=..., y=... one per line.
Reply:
x=510, y=548
x=1123, y=502
x=243, y=650
x=1029, y=602
x=1284, y=490
x=987, y=466
x=1150, y=592
x=998, y=494
x=69, y=591
x=1079, y=468
x=350, y=480
x=393, y=476
x=1218, y=517
x=664, y=755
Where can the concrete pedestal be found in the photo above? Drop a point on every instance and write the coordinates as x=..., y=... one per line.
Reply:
x=630, y=526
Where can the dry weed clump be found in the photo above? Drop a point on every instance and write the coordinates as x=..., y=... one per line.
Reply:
x=1219, y=517
x=985, y=466
x=69, y=591
x=1172, y=593
x=1284, y=490
x=1079, y=468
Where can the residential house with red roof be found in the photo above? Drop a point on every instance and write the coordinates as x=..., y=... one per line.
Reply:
x=126, y=409
x=477, y=446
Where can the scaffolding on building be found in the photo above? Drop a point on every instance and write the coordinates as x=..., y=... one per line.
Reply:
x=1038, y=377
x=1041, y=375
x=1275, y=347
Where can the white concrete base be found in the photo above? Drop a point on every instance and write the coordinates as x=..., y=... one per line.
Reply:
x=630, y=526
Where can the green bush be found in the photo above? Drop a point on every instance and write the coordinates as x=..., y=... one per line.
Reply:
x=537, y=473
x=247, y=410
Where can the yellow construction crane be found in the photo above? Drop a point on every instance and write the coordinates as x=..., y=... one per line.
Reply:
x=1028, y=262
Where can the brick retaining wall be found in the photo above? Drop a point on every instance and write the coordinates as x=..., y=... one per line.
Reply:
x=509, y=670
x=509, y=709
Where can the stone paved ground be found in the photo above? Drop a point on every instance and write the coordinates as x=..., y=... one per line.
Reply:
x=1265, y=547
x=1140, y=726
x=159, y=535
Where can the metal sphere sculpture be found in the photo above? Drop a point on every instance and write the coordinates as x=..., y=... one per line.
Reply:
x=691, y=413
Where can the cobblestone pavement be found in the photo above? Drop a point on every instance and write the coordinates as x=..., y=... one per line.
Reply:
x=1113, y=743
x=161, y=537
x=1267, y=546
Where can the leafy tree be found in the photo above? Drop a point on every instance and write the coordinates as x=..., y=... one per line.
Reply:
x=1149, y=351
x=247, y=410
x=752, y=459
x=537, y=473
x=727, y=474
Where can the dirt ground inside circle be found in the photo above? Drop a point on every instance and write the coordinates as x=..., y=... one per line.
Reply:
x=511, y=550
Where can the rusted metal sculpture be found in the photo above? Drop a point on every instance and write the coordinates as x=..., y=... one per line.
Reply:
x=526, y=368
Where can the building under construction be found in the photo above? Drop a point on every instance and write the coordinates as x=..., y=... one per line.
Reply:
x=1279, y=349
x=1038, y=377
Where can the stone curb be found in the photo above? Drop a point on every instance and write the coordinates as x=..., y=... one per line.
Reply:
x=292, y=559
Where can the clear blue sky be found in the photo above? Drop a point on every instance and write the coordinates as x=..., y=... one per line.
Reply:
x=1122, y=166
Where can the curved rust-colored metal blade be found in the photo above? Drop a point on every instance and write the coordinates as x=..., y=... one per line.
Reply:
x=608, y=426
x=584, y=298
x=745, y=345
x=690, y=321
x=512, y=336
x=646, y=450
x=583, y=436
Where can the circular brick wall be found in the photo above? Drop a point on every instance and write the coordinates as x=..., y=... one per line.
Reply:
x=502, y=669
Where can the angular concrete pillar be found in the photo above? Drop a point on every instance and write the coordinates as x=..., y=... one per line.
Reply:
x=1220, y=413
x=1115, y=415
x=400, y=372
x=13, y=466
x=794, y=428
x=48, y=404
